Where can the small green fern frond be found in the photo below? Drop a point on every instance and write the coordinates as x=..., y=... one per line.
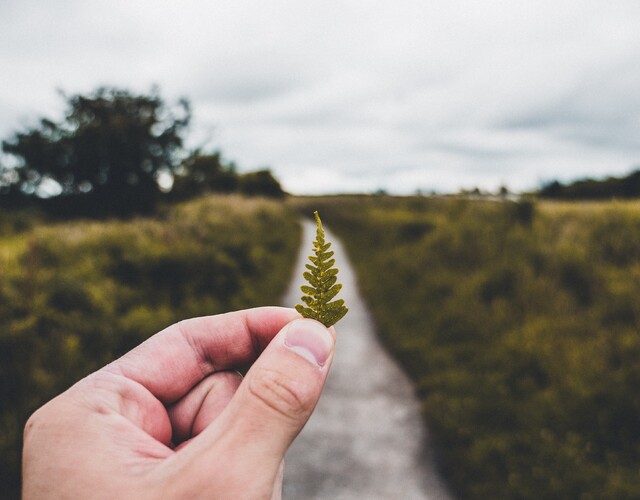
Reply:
x=323, y=285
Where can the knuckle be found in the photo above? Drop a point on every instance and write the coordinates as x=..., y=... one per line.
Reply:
x=34, y=424
x=31, y=423
x=280, y=393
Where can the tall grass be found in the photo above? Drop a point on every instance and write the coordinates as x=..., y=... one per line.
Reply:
x=75, y=296
x=520, y=326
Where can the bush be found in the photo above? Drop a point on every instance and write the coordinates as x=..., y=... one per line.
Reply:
x=519, y=326
x=75, y=296
x=262, y=183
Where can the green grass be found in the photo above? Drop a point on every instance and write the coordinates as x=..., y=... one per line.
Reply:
x=519, y=324
x=74, y=296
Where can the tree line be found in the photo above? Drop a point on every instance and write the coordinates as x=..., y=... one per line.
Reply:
x=593, y=189
x=116, y=153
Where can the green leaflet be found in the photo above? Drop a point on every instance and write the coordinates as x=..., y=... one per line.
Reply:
x=322, y=278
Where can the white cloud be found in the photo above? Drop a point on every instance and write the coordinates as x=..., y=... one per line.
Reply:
x=397, y=95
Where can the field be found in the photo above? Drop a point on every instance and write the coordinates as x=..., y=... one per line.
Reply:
x=74, y=296
x=517, y=321
x=519, y=324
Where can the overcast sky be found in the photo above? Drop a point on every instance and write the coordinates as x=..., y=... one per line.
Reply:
x=354, y=95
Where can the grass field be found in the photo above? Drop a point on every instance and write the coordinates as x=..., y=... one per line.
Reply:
x=520, y=326
x=76, y=295
x=518, y=322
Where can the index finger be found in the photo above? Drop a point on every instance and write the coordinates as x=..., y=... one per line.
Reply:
x=171, y=362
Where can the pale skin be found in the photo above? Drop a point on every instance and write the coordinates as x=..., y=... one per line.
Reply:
x=172, y=419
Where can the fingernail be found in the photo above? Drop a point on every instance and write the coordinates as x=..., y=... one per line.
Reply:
x=310, y=340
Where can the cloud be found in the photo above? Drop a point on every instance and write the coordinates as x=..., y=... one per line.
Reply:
x=406, y=95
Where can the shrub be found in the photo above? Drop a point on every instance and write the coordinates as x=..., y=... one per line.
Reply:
x=75, y=296
x=519, y=325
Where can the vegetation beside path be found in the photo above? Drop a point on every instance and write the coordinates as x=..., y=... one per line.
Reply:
x=76, y=295
x=519, y=324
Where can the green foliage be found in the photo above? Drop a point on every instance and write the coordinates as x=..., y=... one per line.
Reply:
x=117, y=153
x=519, y=326
x=106, y=155
x=322, y=278
x=204, y=173
x=208, y=173
x=592, y=189
x=75, y=296
x=260, y=182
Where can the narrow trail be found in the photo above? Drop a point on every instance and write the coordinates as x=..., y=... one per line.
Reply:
x=366, y=439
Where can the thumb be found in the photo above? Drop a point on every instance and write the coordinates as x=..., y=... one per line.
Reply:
x=272, y=405
x=280, y=391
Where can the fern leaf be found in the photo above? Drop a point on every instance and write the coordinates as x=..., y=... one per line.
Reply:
x=308, y=290
x=323, y=286
x=332, y=292
x=305, y=311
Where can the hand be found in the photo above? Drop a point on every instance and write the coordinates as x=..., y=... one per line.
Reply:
x=171, y=419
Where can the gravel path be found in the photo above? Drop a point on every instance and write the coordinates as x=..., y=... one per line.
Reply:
x=365, y=439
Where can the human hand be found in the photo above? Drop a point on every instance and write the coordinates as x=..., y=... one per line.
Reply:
x=171, y=419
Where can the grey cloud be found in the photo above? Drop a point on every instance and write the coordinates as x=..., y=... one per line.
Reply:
x=472, y=152
x=429, y=93
x=246, y=89
x=603, y=109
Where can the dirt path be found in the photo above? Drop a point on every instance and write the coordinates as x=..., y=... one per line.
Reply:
x=366, y=439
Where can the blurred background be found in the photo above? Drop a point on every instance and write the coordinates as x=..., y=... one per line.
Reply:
x=478, y=159
x=349, y=96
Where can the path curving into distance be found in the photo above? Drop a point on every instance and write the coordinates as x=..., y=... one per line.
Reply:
x=366, y=438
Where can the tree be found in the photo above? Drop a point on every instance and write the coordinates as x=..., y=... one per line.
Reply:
x=204, y=173
x=261, y=183
x=10, y=181
x=595, y=189
x=106, y=156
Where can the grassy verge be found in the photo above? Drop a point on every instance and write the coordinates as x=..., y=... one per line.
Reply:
x=519, y=324
x=75, y=296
